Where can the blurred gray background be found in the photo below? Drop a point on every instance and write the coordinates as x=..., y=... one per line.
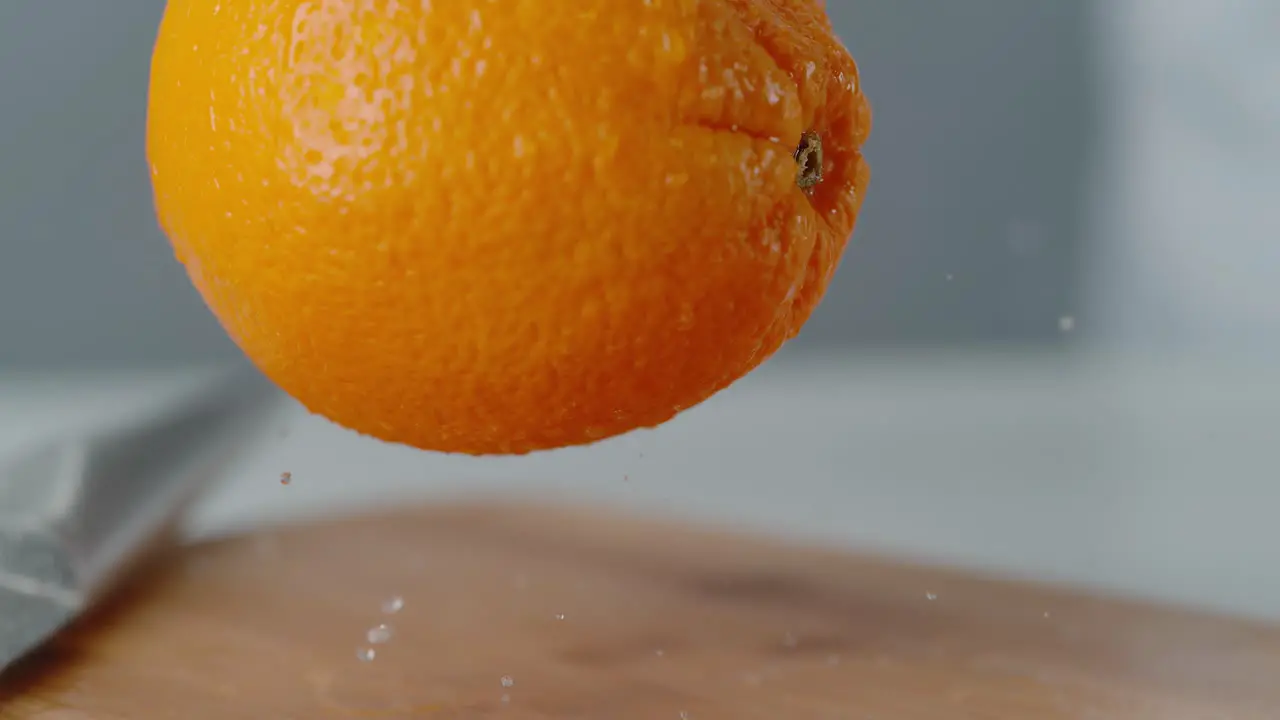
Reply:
x=972, y=232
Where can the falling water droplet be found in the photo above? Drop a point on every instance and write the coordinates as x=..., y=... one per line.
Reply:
x=931, y=596
x=393, y=605
x=559, y=616
x=366, y=654
x=684, y=715
x=660, y=652
x=507, y=681
x=379, y=634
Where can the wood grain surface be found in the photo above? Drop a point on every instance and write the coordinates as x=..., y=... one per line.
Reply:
x=517, y=612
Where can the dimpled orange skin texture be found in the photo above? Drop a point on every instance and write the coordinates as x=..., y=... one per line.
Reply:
x=498, y=227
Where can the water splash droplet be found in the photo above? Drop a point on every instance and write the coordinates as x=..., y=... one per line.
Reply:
x=393, y=605
x=507, y=681
x=366, y=654
x=560, y=616
x=660, y=652
x=931, y=596
x=379, y=634
x=684, y=715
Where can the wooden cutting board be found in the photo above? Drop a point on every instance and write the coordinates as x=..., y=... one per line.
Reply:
x=522, y=613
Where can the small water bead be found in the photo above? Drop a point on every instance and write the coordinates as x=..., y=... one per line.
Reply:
x=366, y=654
x=507, y=681
x=774, y=93
x=379, y=634
x=393, y=605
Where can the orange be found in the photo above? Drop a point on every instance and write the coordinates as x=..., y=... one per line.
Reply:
x=498, y=227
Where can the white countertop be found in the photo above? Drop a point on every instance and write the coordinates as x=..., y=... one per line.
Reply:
x=1154, y=481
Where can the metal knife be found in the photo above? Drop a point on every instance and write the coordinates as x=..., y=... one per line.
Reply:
x=78, y=512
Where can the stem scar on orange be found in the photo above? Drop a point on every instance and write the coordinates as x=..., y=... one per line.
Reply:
x=499, y=227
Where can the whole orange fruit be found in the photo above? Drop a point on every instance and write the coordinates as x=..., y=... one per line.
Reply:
x=498, y=227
